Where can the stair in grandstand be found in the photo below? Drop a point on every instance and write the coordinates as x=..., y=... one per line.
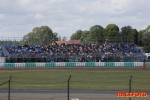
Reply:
x=1, y=52
x=5, y=52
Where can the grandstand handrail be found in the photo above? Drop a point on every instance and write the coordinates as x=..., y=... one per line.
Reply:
x=5, y=51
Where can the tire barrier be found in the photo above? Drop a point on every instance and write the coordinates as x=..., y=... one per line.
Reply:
x=119, y=64
x=109, y=64
x=89, y=63
x=74, y=64
x=148, y=64
x=138, y=63
x=51, y=64
x=19, y=64
x=70, y=64
x=30, y=64
x=9, y=65
x=129, y=64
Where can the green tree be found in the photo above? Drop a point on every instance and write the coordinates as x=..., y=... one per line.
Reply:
x=125, y=31
x=146, y=36
x=40, y=35
x=125, y=34
x=148, y=28
x=85, y=38
x=146, y=39
x=134, y=35
x=97, y=34
x=113, y=34
x=140, y=36
x=73, y=37
x=77, y=35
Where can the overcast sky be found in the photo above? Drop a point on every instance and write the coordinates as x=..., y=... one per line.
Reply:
x=19, y=17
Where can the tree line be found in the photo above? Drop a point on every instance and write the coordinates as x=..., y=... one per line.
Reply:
x=112, y=34
x=96, y=34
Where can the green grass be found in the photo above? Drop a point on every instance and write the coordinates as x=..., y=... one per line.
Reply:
x=80, y=79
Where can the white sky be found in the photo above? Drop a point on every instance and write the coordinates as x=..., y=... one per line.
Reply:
x=19, y=17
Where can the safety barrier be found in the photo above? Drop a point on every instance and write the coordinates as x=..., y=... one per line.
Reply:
x=73, y=64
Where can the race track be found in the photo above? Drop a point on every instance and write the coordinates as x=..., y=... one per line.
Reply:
x=77, y=68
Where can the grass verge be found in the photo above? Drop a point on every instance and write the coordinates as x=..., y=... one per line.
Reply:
x=80, y=79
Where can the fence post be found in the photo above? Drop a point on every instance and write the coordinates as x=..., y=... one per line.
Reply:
x=9, y=88
x=130, y=86
x=68, y=85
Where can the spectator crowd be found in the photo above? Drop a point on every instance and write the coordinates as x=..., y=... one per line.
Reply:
x=76, y=52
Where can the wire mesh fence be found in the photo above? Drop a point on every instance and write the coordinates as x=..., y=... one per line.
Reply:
x=83, y=87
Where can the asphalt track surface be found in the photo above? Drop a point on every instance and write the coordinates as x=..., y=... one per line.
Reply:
x=58, y=91
x=63, y=91
x=79, y=68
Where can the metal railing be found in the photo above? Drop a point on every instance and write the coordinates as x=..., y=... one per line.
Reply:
x=66, y=57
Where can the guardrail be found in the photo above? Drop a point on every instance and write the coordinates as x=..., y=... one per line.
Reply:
x=75, y=64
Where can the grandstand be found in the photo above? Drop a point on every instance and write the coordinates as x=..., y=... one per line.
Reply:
x=110, y=52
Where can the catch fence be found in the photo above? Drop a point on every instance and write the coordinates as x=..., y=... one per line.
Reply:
x=62, y=86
